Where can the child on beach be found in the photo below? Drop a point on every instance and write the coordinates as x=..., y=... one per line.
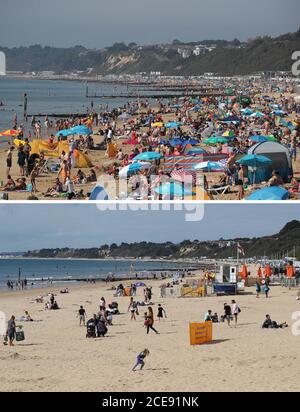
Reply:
x=140, y=359
x=82, y=316
x=257, y=288
x=161, y=312
x=266, y=289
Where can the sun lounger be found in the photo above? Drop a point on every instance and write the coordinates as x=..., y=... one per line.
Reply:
x=219, y=190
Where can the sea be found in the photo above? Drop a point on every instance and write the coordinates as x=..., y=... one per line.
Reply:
x=54, y=96
x=39, y=271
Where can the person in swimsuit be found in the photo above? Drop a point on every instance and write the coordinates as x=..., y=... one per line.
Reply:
x=9, y=159
x=133, y=308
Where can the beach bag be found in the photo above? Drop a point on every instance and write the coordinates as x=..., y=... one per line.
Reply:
x=5, y=340
x=20, y=336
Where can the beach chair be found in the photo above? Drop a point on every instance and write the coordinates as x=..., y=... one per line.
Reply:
x=219, y=190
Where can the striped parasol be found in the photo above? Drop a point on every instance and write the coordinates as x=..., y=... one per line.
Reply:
x=181, y=175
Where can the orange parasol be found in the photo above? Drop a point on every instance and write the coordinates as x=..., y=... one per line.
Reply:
x=244, y=272
x=268, y=271
x=290, y=271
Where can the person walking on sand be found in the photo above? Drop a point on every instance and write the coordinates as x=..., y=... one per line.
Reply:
x=266, y=290
x=132, y=308
x=150, y=321
x=235, y=310
x=161, y=313
x=140, y=359
x=227, y=313
x=11, y=330
x=82, y=316
x=257, y=289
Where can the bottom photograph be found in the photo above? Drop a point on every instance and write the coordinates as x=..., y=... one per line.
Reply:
x=149, y=301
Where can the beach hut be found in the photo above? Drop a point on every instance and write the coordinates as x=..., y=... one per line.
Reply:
x=280, y=157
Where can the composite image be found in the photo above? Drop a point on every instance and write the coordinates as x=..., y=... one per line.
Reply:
x=149, y=200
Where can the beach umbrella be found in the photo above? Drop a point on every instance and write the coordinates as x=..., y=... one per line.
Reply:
x=247, y=112
x=255, y=161
x=215, y=140
x=157, y=124
x=270, y=193
x=182, y=175
x=258, y=139
x=209, y=166
x=279, y=113
x=173, y=189
x=173, y=125
x=229, y=134
x=195, y=151
x=140, y=284
x=271, y=138
x=124, y=116
x=81, y=129
x=9, y=133
x=148, y=156
x=133, y=168
x=268, y=271
x=257, y=114
x=244, y=271
x=177, y=141
x=64, y=133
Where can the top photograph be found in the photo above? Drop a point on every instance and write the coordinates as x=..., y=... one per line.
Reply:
x=155, y=104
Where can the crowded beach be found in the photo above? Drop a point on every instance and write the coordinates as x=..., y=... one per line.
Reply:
x=240, y=145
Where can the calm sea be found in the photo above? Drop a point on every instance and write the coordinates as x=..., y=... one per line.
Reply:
x=50, y=96
x=37, y=269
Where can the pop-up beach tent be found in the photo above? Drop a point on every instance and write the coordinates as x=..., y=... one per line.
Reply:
x=281, y=161
x=56, y=149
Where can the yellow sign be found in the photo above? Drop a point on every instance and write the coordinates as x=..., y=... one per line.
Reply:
x=200, y=333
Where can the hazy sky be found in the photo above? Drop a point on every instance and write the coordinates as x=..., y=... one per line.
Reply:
x=98, y=23
x=30, y=226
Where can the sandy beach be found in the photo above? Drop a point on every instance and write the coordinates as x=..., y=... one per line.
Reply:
x=101, y=163
x=56, y=356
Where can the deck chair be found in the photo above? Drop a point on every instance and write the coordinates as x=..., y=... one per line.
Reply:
x=219, y=190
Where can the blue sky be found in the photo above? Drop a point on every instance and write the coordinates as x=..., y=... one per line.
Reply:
x=99, y=23
x=33, y=226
